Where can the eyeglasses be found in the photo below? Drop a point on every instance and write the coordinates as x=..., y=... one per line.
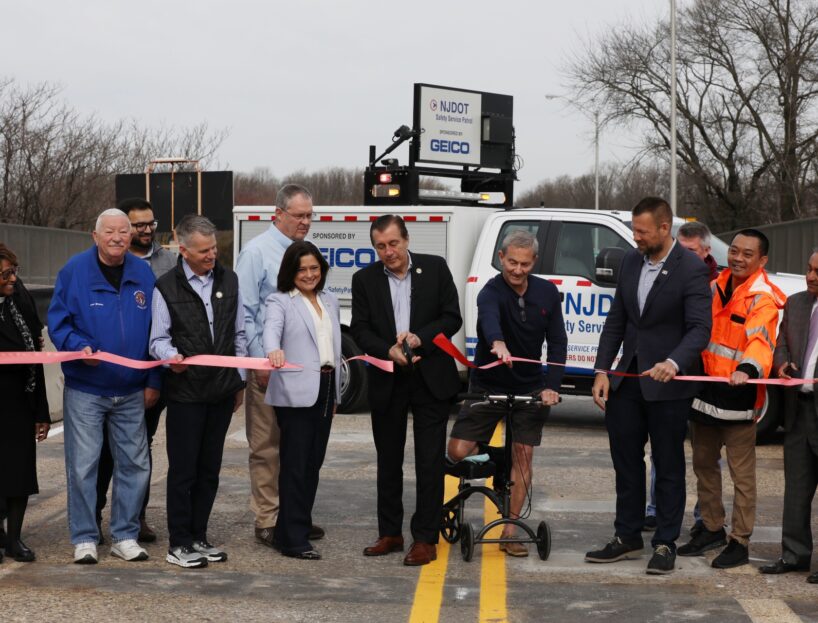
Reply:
x=9, y=273
x=521, y=305
x=305, y=217
x=143, y=226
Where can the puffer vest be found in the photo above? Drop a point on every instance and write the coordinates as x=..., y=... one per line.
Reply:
x=190, y=333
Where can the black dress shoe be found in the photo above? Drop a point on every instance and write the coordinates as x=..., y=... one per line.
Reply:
x=310, y=554
x=779, y=566
x=812, y=578
x=316, y=533
x=19, y=551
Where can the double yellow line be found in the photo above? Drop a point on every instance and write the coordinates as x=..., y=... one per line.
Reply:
x=429, y=591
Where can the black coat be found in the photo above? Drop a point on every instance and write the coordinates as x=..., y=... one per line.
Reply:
x=21, y=409
x=435, y=309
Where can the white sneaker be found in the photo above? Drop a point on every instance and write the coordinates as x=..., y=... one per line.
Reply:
x=128, y=550
x=85, y=554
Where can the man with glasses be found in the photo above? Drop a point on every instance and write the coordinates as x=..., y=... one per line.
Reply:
x=516, y=313
x=257, y=268
x=144, y=245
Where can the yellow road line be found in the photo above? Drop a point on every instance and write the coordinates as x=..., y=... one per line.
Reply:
x=429, y=591
x=768, y=611
x=493, y=568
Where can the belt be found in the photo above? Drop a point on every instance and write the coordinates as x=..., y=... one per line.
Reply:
x=327, y=369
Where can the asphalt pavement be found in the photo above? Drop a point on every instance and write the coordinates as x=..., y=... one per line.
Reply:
x=573, y=492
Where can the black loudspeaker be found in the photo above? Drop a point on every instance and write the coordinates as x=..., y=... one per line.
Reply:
x=217, y=196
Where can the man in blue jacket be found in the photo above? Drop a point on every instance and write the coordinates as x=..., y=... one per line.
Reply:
x=102, y=302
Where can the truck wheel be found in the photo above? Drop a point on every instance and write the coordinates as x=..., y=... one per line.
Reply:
x=353, y=378
x=770, y=417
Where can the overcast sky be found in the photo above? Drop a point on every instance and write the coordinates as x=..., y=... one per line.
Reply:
x=310, y=84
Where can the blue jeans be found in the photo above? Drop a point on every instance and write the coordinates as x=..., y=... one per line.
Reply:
x=84, y=415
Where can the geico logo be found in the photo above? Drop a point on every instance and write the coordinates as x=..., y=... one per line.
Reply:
x=347, y=258
x=450, y=147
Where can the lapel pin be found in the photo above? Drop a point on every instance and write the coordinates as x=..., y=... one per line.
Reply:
x=418, y=270
x=219, y=295
x=664, y=272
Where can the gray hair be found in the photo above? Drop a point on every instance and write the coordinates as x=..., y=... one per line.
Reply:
x=107, y=213
x=520, y=238
x=695, y=229
x=194, y=224
x=286, y=193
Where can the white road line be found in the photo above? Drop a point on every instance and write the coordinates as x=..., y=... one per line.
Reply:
x=54, y=431
x=768, y=611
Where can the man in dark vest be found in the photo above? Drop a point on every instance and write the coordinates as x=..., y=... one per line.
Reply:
x=197, y=310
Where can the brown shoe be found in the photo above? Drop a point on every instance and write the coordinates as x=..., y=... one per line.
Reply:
x=146, y=533
x=265, y=536
x=518, y=550
x=420, y=554
x=385, y=545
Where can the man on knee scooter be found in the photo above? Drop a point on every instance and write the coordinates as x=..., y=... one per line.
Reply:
x=516, y=314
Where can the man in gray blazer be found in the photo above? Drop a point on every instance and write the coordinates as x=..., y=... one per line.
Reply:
x=795, y=356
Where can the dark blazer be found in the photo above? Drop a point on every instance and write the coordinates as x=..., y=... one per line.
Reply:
x=435, y=309
x=21, y=409
x=792, y=341
x=675, y=322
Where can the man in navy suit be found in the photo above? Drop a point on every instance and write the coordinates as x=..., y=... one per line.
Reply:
x=404, y=300
x=661, y=318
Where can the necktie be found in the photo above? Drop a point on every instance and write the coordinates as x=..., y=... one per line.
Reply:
x=812, y=338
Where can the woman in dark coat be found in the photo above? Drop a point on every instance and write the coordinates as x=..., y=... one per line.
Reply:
x=24, y=418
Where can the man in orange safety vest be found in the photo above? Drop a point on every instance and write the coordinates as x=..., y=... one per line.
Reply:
x=745, y=319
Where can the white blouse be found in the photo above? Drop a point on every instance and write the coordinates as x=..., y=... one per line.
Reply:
x=323, y=329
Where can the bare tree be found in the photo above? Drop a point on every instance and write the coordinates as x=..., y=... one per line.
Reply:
x=746, y=101
x=57, y=167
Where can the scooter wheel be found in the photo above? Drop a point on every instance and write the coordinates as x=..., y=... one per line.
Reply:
x=450, y=525
x=467, y=542
x=543, y=540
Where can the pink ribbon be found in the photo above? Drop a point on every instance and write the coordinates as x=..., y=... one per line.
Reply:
x=444, y=344
x=216, y=361
x=383, y=364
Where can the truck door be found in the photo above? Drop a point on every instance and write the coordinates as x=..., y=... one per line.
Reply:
x=569, y=262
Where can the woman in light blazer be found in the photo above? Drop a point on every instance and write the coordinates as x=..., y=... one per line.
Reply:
x=302, y=324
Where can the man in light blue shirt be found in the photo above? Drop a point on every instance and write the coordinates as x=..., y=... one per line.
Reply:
x=257, y=268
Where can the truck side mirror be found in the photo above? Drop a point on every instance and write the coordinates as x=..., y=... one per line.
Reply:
x=607, y=265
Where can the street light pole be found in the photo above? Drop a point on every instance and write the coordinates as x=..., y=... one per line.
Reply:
x=673, y=106
x=551, y=96
x=596, y=160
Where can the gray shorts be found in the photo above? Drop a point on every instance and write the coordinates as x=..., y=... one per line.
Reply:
x=477, y=423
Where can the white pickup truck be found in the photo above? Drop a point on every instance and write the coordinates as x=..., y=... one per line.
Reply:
x=468, y=237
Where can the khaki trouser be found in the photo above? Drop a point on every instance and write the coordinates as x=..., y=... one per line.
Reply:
x=263, y=436
x=740, y=443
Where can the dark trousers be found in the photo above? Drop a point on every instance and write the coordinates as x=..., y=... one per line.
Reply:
x=429, y=418
x=631, y=420
x=106, y=461
x=304, y=438
x=800, y=482
x=195, y=433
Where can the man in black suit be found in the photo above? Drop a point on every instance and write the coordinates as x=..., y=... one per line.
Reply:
x=399, y=304
x=795, y=356
x=661, y=317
